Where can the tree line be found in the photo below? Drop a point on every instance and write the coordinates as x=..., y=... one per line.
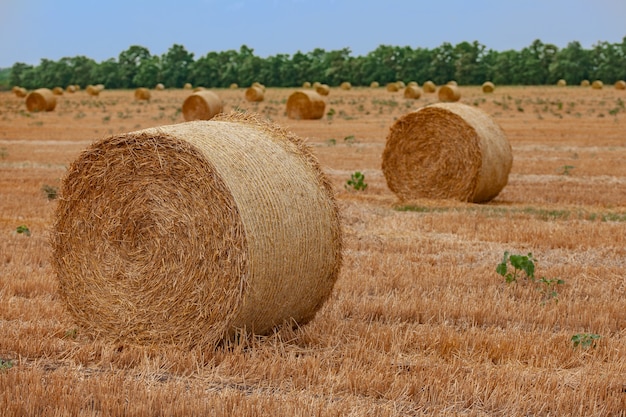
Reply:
x=468, y=63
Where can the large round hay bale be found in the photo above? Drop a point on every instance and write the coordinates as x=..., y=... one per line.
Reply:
x=20, y=92
x=620, y=85
x=255, y=93
x=597, y=85
x=449, y=93
x=322, y=89
x=412, y=92
x=202, y=105
x=346, y=85
x=585, y=83
x=488, y=87
x=429, y=87
x=142, y=93
x=305, y=105
x=192, y=233
x=561, y=83
x=447, y=151
x=41, y=99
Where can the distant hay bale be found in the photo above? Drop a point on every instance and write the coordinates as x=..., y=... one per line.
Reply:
x=159, y=87
x=585, y=83
x=620, y=85
x=401, y=84
x=305, y=105
x=198, y=88
x=258, y=85
x=41, y=99
x=597, y=85
x=561, y=83
x=413, y=92
x=20, y=92
x=142, y=93
x=187, y=86
x=202, y=105
x=346, y=85
x=488, y=87
x=452, y=82
x=70, y=89
x=449, y=93
x=374, y=84
x=429, y=87
x=57, y=91
x=194, y=233
x=306, y=84
x=100, y=87
x=316, y=84
x=392, y=87
x=254, y=94
x=412, y=84
x=92, y=90
x=447, y=151
x=234, y=86
x=322, y=89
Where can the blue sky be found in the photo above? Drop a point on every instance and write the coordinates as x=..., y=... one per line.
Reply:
x=34, y=29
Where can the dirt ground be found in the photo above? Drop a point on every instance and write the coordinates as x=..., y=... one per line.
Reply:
x=419, y=323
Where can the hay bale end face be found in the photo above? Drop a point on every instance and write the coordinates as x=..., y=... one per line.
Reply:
x=191, y=232
x=449, y=93
x=254, y=94
x=202, y=105
x=142, y=93
x=446, y=151
x=620, y=85
x=305, y=105
x=41, y=99
x=488, y=87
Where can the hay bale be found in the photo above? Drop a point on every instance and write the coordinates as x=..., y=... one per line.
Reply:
x=585, y=83
x=620, y=85
x=597, y=85
x=41, y=99
x=346, y=85
x=322, y=89
x=412, y=84
x=254, y=94
x=159, y=87
x=447, y=151
x=306, y=84
x=452, y=82
x=392, y=87
x=412, y=92
x=401, y=84
x=316, y=84
x=306, y=105
x=142, y=93
x=374, y=84
x=234, y=86
x=199, y=88
x=488, y=87
x=187, y=86
x=70, y=89
x=202, y=105
x=561, y=83
x=189, y=233
x=20, y=92
x=258, y=85
x=92, y=90
x=57, y=91
x=449, y=93
x=429, y=87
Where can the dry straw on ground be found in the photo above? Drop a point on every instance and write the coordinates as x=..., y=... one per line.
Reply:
x=322, y=89
x=192, y=233
x=306, y=105
x=254, y=94
x=446, y=151
x=412, y=91
x=41, y=99
x=488, y=87
x=142, y=93
x=449, y=93
x=620, y=85
x=597, y=85
x=429, y=87
x=202, y=105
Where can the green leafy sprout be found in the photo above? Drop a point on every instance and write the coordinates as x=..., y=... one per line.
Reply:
x=22, y=229
x=524, y=268
x=585, y=340
x=356, y=182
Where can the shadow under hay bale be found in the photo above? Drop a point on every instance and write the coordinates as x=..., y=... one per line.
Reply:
x=202, y=105
x=305, y=105
x=447, y=151
x=191, y=232
x=41, y=99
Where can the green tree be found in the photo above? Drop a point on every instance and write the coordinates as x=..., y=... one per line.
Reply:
x=176, y=64
x=128, y=65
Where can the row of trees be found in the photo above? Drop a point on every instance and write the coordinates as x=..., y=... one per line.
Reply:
x=467, y=63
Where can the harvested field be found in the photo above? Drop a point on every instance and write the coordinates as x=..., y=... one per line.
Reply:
x=418, y=323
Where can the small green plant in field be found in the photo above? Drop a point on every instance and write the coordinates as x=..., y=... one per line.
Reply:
x=566, y=169
x=349, y=139
x=356, y=182
x=331, y=141
x=3, y=153
x=524, y=268
x=23, y=230
x=330, y=113
x=71, y=333
x=5, y=364
x=585, y=340
x=50, y=191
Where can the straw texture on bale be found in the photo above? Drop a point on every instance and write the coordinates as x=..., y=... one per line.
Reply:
x=254, y=93
x=429, y=87
x=20, y=92
x=447, y=151
x=620, y=85
x=57, y=91
x=584, y=83
x=41, y=99
x=597, y=85
x=190, y=233
x=412, y=91
x=202, y=105
x=305, y=105
x=142, y=93
x=449, y=93
x=322, y=89
x=488, y=87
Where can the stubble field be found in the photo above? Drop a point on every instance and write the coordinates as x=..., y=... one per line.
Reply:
x=419, y=322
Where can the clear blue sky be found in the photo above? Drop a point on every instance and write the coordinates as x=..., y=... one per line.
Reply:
x=34, y=29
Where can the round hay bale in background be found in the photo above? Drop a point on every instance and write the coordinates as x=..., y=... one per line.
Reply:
x=159, y=87
x=234, y=86
x=306, y=84
x=187, y=86
x=191, y=233
x=597, y=85
x=41, y=99
x=20, y=92
x=429, y=87
x=346, y=85
x=488, y=87
x=57, y=91
x=452, y=82
x=413, y=92
x=254, y=94
x=392, y=87
x=561, y=83
x=374, y=84
x=70, y=89
x=199, y=88
x=305, y=105
x=449, y=93
x=584, y=83
x=316, y=84
x=401, y=84
x=447, y=151
x=412, y=84
x=322, y=89
x=620, y=85
x=92, y=90
x=142, y=93
x=202, y=105
x=258, y=85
